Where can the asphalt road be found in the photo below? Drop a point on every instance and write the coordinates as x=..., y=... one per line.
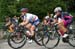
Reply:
x=33, y=45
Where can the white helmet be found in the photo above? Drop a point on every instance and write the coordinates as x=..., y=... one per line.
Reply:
x=47, y=17
x=57, y=9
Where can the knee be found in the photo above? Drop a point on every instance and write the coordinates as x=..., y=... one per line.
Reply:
x=32, y=28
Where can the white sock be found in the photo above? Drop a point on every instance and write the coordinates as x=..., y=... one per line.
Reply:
x=65, y=35
x=28, y=32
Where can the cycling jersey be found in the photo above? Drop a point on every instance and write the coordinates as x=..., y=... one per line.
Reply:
x=33, y=19
x=14, y=21
x=48, y=19
x=66, y=17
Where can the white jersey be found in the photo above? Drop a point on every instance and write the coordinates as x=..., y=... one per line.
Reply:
x=30, y=17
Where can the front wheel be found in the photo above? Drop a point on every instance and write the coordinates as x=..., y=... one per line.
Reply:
x=72, y=38
x=50, y=42
x=38, y=38
x=16, y=43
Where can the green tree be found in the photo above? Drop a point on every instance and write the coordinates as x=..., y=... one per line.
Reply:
x=70, y=5
x=41, y=7
x=38, y=7
x=7, y=7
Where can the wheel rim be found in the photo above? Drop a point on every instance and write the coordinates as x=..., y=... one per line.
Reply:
x=17, y=41
x=48, y=42
x=15, y=45
x=72, y=39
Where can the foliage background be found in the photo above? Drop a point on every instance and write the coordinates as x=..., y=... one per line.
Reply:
x=38, y=7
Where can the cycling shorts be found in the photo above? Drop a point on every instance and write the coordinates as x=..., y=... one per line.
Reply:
x=36, y=22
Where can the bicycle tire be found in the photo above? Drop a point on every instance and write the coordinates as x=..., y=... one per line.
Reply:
x=9, y=40
x=38, y=42
x=45, y=43
x=18, y=42
x=71, y=42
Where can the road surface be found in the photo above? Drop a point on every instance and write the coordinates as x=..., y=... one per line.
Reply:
x=4, y=45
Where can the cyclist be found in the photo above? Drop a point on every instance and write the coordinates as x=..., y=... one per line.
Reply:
x=63, y=19
x=47, y=20
x=14, y=23
x=7, y=23
x=30, y=21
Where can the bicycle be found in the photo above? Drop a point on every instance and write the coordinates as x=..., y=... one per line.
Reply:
x=56, y=39
x=19, y=43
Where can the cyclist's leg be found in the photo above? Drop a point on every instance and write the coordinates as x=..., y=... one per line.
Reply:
x=33, y=26
x=32, y=30
x=63, y=30
x=62, y=27
x=28, y=32
x=11, y=28
x=28, y=26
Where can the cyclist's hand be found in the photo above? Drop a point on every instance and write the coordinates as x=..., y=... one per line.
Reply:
x=21, y=24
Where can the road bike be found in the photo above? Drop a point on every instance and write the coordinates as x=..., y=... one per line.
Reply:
x=55, y=37
x=18, y=38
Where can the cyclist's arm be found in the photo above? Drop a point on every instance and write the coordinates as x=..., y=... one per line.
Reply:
x=54, y=21
x=24, y=22
x=45, y=22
